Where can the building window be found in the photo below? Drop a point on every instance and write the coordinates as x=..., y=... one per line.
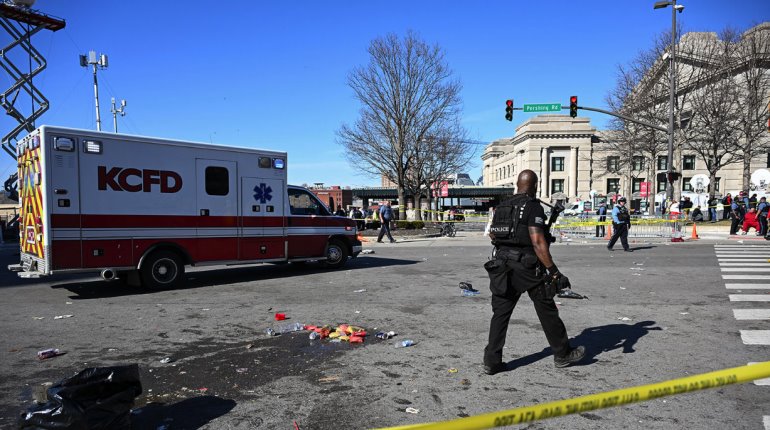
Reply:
x=662, y=162
x=636, y=185
x=557, y=164
x=638, y=163
x=613, y=163
x=661, y=186
x=688, y=163
x=557, y=186
x=613, y=185
x=686, y=186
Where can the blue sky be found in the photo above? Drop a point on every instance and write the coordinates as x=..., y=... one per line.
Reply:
x=273, y=74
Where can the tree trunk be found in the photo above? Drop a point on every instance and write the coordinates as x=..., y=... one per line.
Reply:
x=746, y=173
x=417, y=211
x=401, y=203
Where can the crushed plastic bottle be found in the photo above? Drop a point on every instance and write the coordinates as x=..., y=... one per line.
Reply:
x=469, y=293
x=384, y=335
x=405, y=343
x=284, y=328
x=314, y=335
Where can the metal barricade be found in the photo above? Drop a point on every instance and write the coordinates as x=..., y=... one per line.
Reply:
x=642, y=226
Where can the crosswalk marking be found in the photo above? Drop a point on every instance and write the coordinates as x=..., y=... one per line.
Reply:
x=755, y=337
x=747, y=260
x=750, y=297
x=747, y=286
x=745, y=263
x=743, y=254
x=765, y=381
x=747, y=269
x=746, y=277
x=741, y=246
x=766, y=421
x=752, y=314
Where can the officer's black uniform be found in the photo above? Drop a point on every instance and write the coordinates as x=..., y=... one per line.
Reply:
x=620, y=229
x=514, y=270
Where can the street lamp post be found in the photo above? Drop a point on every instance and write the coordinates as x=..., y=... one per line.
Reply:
x=671, y=89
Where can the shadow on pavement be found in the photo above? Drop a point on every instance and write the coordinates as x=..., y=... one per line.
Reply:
x=639, y=248
x=190, y=413
x=596, y=340
x=207, y=278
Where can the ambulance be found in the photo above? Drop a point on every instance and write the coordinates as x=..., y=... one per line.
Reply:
x=140, y=209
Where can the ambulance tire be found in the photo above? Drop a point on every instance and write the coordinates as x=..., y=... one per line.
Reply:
x=162, y=269
x=336, y=254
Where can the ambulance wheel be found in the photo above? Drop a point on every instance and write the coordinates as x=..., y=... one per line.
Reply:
x=163, y=269
x=336, y=254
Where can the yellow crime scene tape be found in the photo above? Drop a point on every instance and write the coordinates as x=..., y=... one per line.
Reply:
x=526, y=414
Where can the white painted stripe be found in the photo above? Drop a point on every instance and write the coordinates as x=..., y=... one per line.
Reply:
x=746, y=269
x=755, y=337
x=751, y=314
x=750, y=297
x=746, y=277
x=748, y=260
x=766, y=421
x=742, y=246
x=744, y=264
x=742, y=254
x=765, y=381
x=747, y=286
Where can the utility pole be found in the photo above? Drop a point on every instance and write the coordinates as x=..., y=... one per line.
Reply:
x=96, y=63
x=121, y=110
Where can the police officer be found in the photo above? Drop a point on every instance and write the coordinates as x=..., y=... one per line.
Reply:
x=522, y=263
x=621, y=221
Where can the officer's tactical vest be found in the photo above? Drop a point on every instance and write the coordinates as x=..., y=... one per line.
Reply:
x=505, y=223
x=623, y=215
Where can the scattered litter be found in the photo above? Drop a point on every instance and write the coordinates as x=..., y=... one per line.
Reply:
x=465, y=381
x=405, y=343
x=569, y=294
x=296, y=426
x=67, y=303
x=58, y=317
x=684, y=313
x=637, y=274
x=112, y=349
x=452, y=370
x=469, y=293
x=314, y=335
x=38, y=318
x=362, y=290
x=635, y=268
x=205, y=309
x=358, y=312
x=558, y=303
x=249, y=346
x=241, y=370
x=284, y=328
x=413, y=410
x=383, y=335
x=625, y=319
x=367, y=251
x=280, y=317
x=166, y=360
x=622, y=288
x=332, y=378
x=639, y=264
x=467, y=286
x=49, y=353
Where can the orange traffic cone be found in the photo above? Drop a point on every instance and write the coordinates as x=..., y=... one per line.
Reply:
x=694, y=232
x=608, y=236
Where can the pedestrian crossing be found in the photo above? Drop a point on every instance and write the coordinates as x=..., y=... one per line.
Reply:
x=749, y=264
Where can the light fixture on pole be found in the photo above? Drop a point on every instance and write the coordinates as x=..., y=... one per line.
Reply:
x=671, y=88
x=115, y=111
x=96, y=62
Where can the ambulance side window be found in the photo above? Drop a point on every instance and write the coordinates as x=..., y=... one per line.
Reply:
x=217, y=181
x=302, y=202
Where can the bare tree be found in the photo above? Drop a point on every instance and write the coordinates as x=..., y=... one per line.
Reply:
x=407, y=94
x=752, y=53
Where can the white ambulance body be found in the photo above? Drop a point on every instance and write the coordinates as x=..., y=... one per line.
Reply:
x=142, y=208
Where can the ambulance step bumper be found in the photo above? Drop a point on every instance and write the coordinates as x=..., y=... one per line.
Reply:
x=15, y=267
x=29, y=275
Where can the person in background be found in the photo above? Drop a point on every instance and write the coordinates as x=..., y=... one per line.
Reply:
x=736, y=215
x=385, y=215
x=340, y=211
x=696, y=214
x=713, y=209
x=753, y=201
x=685, y=206
x=727, y=201
x=745, y=201
x=750, y=220
x=762, y=211
x=602, y=212
x=621, y=221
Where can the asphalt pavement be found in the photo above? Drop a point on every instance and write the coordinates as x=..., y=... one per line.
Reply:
x=660, y=312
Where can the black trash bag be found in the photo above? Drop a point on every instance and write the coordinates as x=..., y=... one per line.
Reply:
x=95, y=398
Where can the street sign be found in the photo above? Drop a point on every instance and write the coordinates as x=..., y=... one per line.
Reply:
x=544, y=107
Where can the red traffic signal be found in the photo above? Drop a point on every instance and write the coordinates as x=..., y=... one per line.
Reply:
x=573, y=106
x=509, y=110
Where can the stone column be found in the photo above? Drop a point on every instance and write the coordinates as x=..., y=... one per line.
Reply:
x=543, y=172
x=573, y=172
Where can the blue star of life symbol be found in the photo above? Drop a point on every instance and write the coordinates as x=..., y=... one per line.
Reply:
x=263, y=193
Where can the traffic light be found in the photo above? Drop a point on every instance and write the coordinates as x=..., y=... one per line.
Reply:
x=573, y=106
x=509, y=110
x=673, y=176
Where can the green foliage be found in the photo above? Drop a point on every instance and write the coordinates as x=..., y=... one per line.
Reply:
x=410, y=225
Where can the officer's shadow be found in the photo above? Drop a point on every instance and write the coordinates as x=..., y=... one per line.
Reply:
x=596, y=340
